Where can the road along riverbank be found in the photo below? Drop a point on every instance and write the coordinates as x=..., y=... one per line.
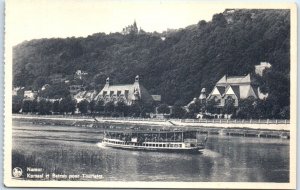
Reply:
x=268, y=129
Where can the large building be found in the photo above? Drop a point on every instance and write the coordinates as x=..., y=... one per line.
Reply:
x=127, y=93
x=232, y=88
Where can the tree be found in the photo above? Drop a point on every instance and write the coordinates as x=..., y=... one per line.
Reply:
x=211, y=106
x=109, y=107
x=121, y=108
x=92, y=106
x=67, y=105
x=229, y=106
x=83, y=106
x=99, y=106
x=29, y=106
x=34, y=106
x=44, y=107
x=195, y=107
x=55, y=106
x=26, y=106
x=178, y=111
x=16, y=104
x=172, y=66
x=246, y=108
x=163, y=108
x=146, y=108
x=285, y=112
x=59, y=90
x=135, y=110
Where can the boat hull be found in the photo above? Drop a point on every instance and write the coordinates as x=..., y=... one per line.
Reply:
x=155, y=149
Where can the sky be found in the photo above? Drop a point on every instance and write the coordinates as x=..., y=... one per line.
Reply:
x=35, y=19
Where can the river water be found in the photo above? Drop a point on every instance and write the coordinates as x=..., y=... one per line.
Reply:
x=76, y=150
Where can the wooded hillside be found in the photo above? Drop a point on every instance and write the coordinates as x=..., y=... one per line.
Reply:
x=176, y=67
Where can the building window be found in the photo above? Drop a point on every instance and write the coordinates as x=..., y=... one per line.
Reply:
x=118, y=93
x=104, y=93
x=126, y=94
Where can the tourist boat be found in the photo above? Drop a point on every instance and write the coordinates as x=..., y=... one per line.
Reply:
x=164, y=141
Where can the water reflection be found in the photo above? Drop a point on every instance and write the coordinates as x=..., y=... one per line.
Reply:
x=75, y=150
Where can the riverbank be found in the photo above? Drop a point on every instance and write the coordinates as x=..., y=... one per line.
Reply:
x=221, y=127
x=277, y=125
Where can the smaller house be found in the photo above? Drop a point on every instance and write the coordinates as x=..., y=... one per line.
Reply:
x=79, y=74
x=259, y=69
x=30, y=95
x=44, y=87
x=18, y=91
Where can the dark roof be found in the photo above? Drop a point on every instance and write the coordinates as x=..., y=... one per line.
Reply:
x=236, y=90
x=221, y=89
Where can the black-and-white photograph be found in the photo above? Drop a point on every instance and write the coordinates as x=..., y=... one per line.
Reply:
x=150, y=91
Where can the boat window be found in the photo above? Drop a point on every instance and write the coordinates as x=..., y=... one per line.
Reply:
x=160, y=145
x=171, y=145
x=168, y=145
x=164, y=145
x=180, y=145
x=156, y=145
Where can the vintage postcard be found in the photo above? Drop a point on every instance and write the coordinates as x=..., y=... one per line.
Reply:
x=150, y=94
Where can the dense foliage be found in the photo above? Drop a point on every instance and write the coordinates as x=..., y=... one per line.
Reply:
x=176, y=67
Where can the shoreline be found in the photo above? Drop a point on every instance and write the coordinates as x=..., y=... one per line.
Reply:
x=246, y=129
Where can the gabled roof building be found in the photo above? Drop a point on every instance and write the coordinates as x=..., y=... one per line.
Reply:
x=235, y=88
x=128, y=93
